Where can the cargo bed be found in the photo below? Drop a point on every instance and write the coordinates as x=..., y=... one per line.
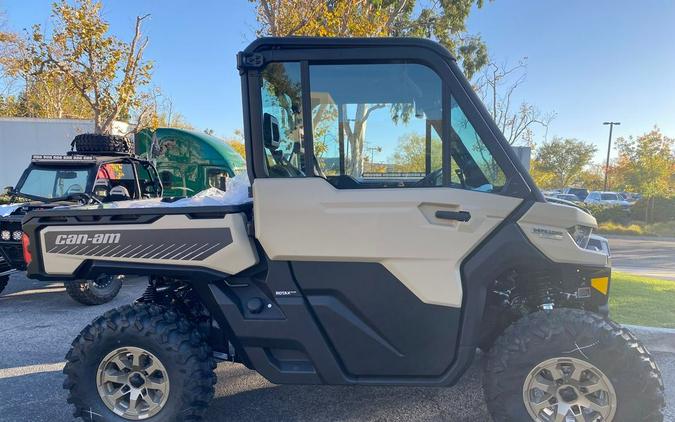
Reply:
x=79, y=243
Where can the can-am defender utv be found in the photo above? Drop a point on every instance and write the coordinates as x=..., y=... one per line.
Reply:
x=391, y=233
x=98, y=169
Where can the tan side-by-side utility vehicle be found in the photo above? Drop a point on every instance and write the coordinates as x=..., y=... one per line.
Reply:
x=392, y=232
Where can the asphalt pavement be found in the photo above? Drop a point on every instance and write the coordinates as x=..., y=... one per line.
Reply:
x=651, y=257
x=38, y=321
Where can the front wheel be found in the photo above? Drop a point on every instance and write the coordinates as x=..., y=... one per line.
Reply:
x=95, y=292
x=571, y=365
x=140, y=362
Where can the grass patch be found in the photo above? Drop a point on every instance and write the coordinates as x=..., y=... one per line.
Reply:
x=666, y=229
x=642, y=300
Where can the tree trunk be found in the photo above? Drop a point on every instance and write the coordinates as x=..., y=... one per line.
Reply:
x=356, y=141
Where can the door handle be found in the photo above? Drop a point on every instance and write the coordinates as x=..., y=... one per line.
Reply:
x=463, y=216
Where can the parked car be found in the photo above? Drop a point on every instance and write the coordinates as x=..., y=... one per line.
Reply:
x=606, y=198
x=568, y=197
x=100, y=169
x=328, y=277
x=580, y=193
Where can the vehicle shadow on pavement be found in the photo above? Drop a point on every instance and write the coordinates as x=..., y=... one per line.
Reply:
x=242, y=395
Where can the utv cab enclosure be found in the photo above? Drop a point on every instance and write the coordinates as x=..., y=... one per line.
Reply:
x=392, y=232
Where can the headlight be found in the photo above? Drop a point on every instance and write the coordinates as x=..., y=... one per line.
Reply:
x=16, y=235
x=581, y=235
x=5, y=235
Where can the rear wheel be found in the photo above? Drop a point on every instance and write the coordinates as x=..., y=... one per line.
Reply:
x=571, y=365
x=3, y=282
x=140, y=362
x=95, y=292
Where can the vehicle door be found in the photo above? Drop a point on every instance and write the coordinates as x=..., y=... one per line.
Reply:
x=375, y=176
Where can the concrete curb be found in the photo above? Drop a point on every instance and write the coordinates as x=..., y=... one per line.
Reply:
x=656, y=339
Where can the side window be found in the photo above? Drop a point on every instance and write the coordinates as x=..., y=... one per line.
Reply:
x=473, y=164
x=147, y=181
x=282, y=108
x=376, y=125
x=119, y=178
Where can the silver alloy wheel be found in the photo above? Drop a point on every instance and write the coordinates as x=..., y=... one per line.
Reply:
x=133, y=383
x=569, y=390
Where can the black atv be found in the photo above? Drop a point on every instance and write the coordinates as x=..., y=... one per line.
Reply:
x=98, y=169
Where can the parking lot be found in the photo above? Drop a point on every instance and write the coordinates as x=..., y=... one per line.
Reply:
x=38, y=321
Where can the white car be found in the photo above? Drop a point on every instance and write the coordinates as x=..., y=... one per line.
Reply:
x=606, y=198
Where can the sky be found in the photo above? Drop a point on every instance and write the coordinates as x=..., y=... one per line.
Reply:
x=588, y=61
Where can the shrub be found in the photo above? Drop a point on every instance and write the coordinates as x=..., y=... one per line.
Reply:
x=603, y=213
x=664, y=210
x=629, y=230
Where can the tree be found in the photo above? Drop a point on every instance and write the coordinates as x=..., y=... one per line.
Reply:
x=236, y=141
x=105, y=71
x=496, y=86
x=563, y=159
x=44, y=92
x=444, y=21
x=410, y=153
x=646, y=165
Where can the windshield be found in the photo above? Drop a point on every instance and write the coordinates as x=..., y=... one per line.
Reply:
x=54, y=182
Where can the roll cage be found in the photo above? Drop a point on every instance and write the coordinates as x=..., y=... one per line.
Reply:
x=309, y=51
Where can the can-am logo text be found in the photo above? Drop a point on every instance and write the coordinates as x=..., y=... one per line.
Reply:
x=85, y=239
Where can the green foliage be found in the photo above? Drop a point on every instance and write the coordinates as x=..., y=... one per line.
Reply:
x=664, y=229
x=642, y=300
x=646, y=164
x=563, y=159
x=410, y=153
x=663, y=209
x=603, y=213
x=444, y=21
x=79, y=70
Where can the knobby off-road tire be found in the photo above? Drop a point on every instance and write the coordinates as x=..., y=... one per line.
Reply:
x=95, y=292
x=569, y=339
x=3, y=282
x=178, y=349
x=97, y=143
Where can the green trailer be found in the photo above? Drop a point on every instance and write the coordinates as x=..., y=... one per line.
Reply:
x=188, y=161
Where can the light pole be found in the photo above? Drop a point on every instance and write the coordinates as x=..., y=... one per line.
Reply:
x=609, y=148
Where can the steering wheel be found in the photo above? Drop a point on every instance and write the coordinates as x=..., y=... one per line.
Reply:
x=430, y=179
x=84, y=198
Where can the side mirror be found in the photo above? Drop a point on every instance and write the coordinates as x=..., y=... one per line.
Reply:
x=9, y=190
x=271, y=131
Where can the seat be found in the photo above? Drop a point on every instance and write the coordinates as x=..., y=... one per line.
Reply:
x=119, y=193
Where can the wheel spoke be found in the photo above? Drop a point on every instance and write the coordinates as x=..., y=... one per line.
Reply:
x=120, y=362
x=151, y=368
x=118, y=394
x=117, y=379
x=556, y=373
x=576, y=373
x=590, y=404
x=538, y=407
x=592, y=387
x=561, y=412
x=152, y=385
x=136, y=359
x=133, y=399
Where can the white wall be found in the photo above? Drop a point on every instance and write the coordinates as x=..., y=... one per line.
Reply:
x=20, y=138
